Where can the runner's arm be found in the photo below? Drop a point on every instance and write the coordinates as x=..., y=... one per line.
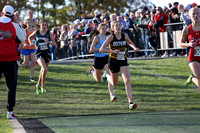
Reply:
x=103, y=48
x=183, y=39
x=130, y=43
x=94, y=42
x=29, y=38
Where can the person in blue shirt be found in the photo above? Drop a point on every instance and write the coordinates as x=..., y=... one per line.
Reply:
x=100, y=59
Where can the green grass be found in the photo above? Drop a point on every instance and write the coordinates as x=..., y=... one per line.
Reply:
x=157, y=86
x=158, y=122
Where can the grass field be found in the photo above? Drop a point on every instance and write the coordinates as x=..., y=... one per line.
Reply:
x=158, y=85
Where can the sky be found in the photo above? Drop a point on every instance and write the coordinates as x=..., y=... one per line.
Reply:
x=163, y=3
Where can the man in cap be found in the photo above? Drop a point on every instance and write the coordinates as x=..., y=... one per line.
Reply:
x=11, y=34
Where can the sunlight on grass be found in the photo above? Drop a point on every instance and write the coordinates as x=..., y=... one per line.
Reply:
x=71, y=92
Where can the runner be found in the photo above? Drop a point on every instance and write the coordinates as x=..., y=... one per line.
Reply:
x=100, y=59
x=43, y=55
x=193, y=33
x=29, y=50
x=118, y=59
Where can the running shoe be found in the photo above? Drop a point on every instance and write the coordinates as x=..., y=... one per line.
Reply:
x=32, y=80
x=189, y=80
x=37, y=90
x=89, y=70
x=104, y=78
x=113, y=98
x=11, y=115
x=132, y=106
x=43, y=90
x=21, y=61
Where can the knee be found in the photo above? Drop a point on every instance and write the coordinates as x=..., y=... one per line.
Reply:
x=127, y=81
x=44, y=69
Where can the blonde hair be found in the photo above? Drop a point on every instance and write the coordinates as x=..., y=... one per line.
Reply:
x=100, y=25
x=111, y=15
x=192, y=9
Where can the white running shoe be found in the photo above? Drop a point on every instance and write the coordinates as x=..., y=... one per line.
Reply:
x=165, y=55
x=11, y=115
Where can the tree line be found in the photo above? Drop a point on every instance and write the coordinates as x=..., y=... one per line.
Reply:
x=65, y=11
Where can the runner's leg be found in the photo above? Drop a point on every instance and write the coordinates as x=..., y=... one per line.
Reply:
x=194, y=66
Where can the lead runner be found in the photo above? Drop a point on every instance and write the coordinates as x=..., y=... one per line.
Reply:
x=118, y=59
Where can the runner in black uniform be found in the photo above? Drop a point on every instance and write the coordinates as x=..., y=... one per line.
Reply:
x=118, y=59
x=43, y=55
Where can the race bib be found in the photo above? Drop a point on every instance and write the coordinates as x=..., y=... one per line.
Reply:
x=197, y=51
x=43, y=46
x=120, y=56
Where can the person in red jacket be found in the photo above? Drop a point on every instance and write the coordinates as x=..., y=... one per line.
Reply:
x=11, y=34
x=192, y=32
x=160, y=19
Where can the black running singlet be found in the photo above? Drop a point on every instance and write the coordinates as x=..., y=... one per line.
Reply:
x=118, y=44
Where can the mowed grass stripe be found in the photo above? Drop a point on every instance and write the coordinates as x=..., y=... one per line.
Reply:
x=71, y=92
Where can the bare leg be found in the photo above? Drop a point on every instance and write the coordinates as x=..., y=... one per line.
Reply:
x=96, y=73
x=32, y=65
x=195, y=68
x=110, y=86
x=43, y=71
x=26, y=61
x=126, y=77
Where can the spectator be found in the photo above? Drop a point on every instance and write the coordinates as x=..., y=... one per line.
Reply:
x=54, y=32
x=119, y=18
x=160, y=19
x=112, y=19
x=143, y=25
x=72, y=42
x=29, y=14
x=185, y=16
x=11, y=35
x=173, y=18
x=64, y=41
x=88, y=27
x=129, y=25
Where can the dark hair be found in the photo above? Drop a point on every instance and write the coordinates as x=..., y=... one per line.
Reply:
x=43, y=20
x=93, y=32
x=174, y=10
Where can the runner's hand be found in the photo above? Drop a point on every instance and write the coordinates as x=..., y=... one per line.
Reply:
x=192, y=44
x=116, y=51
x=137, y=49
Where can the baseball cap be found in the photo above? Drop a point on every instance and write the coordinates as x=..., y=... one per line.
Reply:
x=97, y=12
x=8, y=10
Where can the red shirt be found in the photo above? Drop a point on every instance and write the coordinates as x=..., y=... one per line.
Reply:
x=165, y=20
x=8, y=44
x=194, y=53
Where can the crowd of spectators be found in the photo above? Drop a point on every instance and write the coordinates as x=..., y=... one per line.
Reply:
x=142, y=25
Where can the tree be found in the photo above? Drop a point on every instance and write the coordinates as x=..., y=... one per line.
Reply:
x=18, y=5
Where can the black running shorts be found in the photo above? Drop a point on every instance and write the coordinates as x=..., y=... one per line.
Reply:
x=100, y=62
x=46, y=55
x=114, y=64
